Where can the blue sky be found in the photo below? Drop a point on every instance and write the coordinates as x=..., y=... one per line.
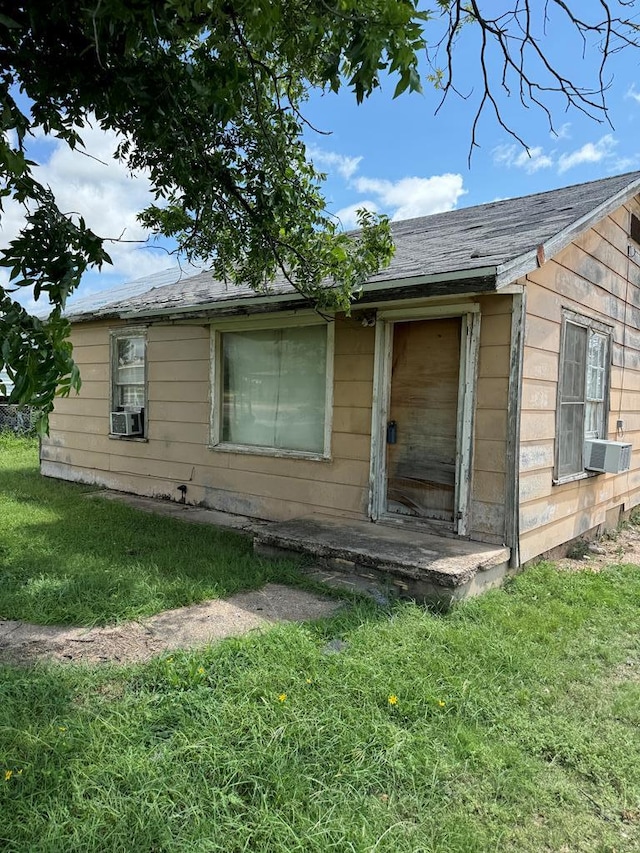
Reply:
x=407, y=160
x=393, y=156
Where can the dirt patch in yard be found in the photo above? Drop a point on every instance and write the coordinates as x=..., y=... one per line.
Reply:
x=617, y=548
x=187, y=627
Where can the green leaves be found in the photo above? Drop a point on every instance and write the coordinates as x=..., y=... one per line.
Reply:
x=52, y=252
x=208, y=97
x=38, y=357
x=49, y=257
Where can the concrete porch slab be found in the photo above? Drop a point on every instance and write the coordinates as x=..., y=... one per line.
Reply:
x=437, y=569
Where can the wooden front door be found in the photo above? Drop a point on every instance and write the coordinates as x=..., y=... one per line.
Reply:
x=422, y=436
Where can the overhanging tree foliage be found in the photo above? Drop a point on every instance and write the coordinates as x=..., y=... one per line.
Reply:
x=208, y=98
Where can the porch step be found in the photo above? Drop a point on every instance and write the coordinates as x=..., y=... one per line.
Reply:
x=408, y=563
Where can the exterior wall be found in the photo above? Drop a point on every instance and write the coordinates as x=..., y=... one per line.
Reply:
x=489, y=484
x=178, y=410
x=595, y=277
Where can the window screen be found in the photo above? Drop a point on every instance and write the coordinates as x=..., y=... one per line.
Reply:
x=584, y=375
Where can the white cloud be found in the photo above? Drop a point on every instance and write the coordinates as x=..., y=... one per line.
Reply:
x=632, y=93
x=626, y=164
x=563, y=132
x=504, y=154
x=591, y=152
x=345, y=166
x=529, y=159
x=411, y=197
x=11, y=137
x=347, y=215
x=405, y=198
x=101, y=190
x=534, y=159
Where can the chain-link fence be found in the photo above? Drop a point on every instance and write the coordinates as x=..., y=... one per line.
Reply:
x=18, y=419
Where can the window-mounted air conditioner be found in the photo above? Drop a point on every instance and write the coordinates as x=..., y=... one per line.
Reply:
x=609, y=457
x=126, y=423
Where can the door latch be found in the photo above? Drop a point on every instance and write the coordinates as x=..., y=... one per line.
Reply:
x=392, y=432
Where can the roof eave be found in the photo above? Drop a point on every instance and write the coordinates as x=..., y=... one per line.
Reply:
x=479, y=279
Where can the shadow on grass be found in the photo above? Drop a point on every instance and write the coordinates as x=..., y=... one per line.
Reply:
x=69, y=560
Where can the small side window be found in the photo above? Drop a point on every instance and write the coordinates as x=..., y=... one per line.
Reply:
x=583, y=391
x=128, y=383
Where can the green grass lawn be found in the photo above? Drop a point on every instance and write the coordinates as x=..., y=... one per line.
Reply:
x=510, y=724
x=67, y=559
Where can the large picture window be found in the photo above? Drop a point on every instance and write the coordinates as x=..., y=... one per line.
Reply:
x=583, y=391
x=273, y=389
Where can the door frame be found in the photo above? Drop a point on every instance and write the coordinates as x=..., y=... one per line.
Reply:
x=469, y=347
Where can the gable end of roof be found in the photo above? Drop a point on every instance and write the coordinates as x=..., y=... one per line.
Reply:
x=529, y=261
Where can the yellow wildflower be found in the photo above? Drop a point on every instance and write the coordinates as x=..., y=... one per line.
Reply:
x=441, y=704
x=200, y=670
x=7, y=775
x=308, y=681
x=282, y=697
x=393, y=699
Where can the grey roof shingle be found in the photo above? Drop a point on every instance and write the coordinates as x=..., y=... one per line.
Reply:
x=502, y=236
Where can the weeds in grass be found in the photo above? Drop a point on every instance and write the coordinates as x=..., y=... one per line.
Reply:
x=508, y=725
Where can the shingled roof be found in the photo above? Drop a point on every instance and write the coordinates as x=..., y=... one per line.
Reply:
x=474, y=248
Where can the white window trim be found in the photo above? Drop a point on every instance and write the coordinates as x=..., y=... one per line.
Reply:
x=114, y=336
x=591, y=324
x=250, y=325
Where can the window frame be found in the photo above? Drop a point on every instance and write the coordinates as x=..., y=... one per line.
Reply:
x=298, y=320
x=592, y=327
x=116, y=335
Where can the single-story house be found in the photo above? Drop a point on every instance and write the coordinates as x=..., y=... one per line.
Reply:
x=486, y=386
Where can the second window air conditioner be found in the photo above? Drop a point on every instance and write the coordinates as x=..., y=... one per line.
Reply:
x=611, y=457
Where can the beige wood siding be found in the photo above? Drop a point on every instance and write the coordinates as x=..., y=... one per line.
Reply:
x=596, y=277
x=488, y=518
x=178, y=412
